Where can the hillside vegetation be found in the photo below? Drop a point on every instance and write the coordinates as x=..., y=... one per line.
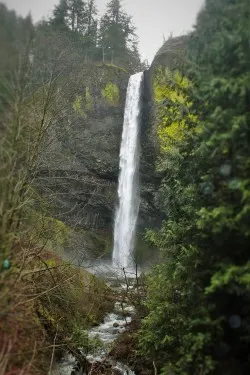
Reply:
x=47, y=70
x=198, y=297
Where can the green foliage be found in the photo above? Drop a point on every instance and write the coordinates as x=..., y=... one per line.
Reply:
x=198, y=297
x=115, y=27
x=170, y=284
x=231, y=278
x=175, y=115
x=111, y=93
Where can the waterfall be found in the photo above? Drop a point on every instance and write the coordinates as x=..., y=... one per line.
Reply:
x=128, y=189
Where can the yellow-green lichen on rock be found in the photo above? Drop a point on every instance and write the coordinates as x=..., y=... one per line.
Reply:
x=78, y=106
x=111, y=94
x=88, y=99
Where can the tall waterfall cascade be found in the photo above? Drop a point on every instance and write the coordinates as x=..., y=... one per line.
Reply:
x=128, y=189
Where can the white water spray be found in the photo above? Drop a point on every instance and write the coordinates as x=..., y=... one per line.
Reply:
x=127, y=212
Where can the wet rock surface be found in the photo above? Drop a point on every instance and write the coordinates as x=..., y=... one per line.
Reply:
x=79, y=167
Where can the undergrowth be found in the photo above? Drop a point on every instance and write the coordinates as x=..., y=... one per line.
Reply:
x=47, y=306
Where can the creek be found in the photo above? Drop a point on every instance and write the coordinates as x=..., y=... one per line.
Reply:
x=98, y=360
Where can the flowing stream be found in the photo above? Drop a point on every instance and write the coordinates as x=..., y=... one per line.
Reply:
x=114, y=324
x=127, y=212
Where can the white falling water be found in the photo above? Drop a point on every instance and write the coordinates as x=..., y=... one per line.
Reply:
x=127, y=212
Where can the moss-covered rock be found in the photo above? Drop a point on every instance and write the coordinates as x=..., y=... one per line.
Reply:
x=111, y=93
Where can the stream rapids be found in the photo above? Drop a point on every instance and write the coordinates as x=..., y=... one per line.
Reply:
x=114, y=324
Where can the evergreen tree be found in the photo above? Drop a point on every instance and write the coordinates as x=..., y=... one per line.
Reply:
x=77, y=16
x=16, y=35
x=116, y=31
x=92, y=26
x=199, y=299
x=71, y=14
x=60, y=15
x=92, y=13
x=80, y=18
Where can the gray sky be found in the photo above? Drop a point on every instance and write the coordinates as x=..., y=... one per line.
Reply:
x=153, y=18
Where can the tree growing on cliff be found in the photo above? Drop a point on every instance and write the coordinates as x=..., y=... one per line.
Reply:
x=77, y=19
x=117, y=32
x=114, y=41
x=91, y=33
x=60, y=15
x=76, y=15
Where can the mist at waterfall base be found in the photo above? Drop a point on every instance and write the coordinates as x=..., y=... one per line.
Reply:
x=123, y=255
x=128, y=188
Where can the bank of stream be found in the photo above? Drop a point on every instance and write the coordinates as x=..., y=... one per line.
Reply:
x=102, y=338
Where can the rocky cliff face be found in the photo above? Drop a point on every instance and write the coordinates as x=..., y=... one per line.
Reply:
x=171, y=54
x=79, y=172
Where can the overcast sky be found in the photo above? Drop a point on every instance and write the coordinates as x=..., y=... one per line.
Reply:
x=153, y=18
